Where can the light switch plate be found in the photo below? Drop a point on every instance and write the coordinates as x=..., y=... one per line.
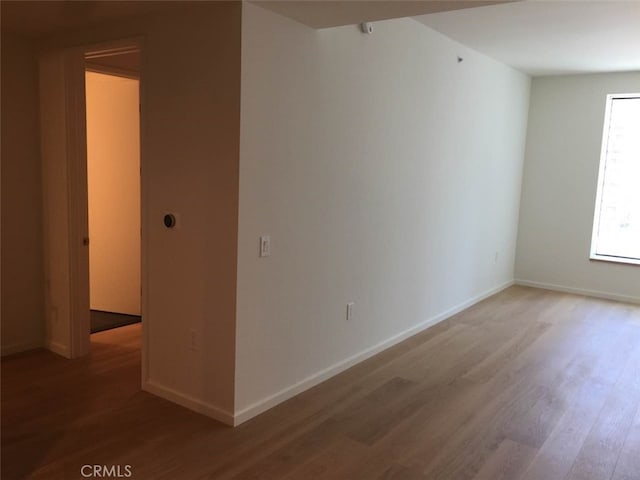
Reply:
x=350, y=311
x=265, y=246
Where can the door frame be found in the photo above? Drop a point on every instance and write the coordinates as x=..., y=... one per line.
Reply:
x=76, y=339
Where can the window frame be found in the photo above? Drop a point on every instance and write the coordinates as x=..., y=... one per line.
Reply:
x=593, y=255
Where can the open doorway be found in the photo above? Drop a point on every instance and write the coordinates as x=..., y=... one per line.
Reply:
x=112, y=89
x=64, y=147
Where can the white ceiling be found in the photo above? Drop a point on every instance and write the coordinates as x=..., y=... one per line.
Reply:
x=540, y=37
x=550, y=37
x=334, y=13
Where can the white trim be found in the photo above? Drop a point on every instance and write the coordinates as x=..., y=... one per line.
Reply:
x=59, y=348
x=609, y=258
x=116, y=47
x=579, y=291
x=109, y=70
x=319, y=377
x=189, y=402
x=62, y=116
x=601, y=168
x=12, y=348
x=145, y=278
x=78, y=204
x=606, y=128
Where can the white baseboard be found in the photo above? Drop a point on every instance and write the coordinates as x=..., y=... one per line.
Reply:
x=189, y=402
x=319, y=377
x=579, y=291
x=58, y=348
x=12, y=348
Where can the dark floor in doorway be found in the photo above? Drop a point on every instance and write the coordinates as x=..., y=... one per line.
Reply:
x=101, y=321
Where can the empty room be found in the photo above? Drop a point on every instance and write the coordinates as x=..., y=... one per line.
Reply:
x=320, y=240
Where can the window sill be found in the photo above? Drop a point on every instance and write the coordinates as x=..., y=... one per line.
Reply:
x=606, y=258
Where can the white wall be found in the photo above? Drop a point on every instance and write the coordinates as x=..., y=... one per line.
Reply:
x=113, y=173
x=386, y=173
x=22, y=267
x=559, y=188
x=190, y=92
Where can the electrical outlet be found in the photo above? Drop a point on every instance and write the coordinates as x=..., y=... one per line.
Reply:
x=350, y=311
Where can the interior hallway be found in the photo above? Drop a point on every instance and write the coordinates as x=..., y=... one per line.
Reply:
x=528, y=384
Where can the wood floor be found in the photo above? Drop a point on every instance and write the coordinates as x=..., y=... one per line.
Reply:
x=527, y=385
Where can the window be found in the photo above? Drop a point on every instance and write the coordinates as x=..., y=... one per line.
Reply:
x=616, y=225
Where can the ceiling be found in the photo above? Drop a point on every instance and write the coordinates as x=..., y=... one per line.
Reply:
x=330, y=13
x=550, y=37
x=539, y=37
x=42, y=18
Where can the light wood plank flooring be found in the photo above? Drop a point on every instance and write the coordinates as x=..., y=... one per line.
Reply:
x=527, y=385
